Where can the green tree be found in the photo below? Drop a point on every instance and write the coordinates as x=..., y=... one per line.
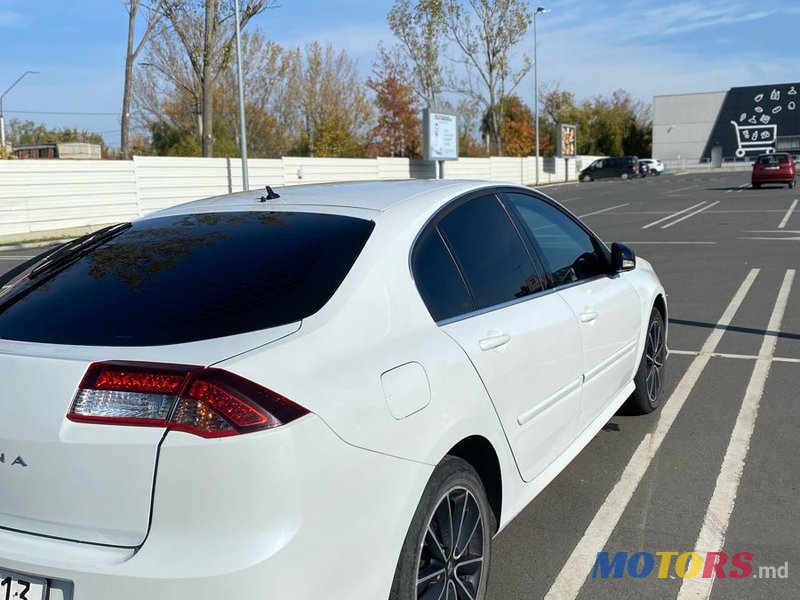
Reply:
x=28, y=132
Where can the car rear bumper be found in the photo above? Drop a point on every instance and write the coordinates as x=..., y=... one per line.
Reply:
x=289, y=513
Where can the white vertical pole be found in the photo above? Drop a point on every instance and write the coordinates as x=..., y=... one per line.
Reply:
x=242, y=123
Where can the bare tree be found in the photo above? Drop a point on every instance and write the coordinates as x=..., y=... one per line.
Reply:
x=419, y=26
x=206, y=32
x=151, y=20
x=484, y=33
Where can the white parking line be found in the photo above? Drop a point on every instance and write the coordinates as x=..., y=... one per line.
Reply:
x=680, y=212
x=573, y=574
x=780, y=359
x=788, y=214
x=15, y=257
x=691, y=214
x=570, y=199
x=718, y=514
x=597, y=212
x=683, y=189
x=739, y=189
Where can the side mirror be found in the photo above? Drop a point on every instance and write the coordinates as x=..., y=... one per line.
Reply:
x=623, y=258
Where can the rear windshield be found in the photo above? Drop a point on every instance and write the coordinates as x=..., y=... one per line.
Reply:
x=177, y=279
x=773, y=159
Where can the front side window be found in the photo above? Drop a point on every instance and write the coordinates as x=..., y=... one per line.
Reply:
x=566, y=246
x=490, y=252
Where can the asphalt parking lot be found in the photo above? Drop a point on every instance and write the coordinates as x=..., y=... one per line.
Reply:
x=715, y=469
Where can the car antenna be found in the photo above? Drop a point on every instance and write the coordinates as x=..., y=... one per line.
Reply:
x=271, y=195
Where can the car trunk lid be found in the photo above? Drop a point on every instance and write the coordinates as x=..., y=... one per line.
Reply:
x=86, y=482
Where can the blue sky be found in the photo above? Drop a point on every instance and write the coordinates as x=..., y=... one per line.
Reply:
x=589, y=47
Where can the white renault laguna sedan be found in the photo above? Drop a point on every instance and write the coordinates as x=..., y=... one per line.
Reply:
x=332, y=391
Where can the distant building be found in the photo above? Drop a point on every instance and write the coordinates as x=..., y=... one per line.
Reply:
x=716, y=126
x=69, y=150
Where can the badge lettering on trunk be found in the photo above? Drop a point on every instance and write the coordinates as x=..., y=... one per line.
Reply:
x=18, y=461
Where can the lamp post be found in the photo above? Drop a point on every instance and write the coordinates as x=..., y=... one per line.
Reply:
x=539, y=10
x=2, y=117
x=242, y=124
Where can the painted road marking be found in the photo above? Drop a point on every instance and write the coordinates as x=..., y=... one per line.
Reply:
x=20, y=258
x=780, y=359
x=573, y=574
x=739, y=189
x=788, y=214
x=718, y=514
x=672, y=215
x=597, y=212
x=691, y=214
x=683, y=189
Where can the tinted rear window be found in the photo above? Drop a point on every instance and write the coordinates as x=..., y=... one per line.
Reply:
x=184, y=278
x=772, y=159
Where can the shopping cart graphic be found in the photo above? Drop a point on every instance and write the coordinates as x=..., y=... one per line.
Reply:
x=755, y=138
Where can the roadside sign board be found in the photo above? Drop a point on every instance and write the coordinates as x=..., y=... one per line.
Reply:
x=439, y=135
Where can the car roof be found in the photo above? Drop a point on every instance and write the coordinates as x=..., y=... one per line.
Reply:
x=360, y=198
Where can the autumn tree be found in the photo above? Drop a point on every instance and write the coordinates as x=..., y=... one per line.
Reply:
x=419, y=26
x=152, y=17
x=398, y=130
x=327, y=102
x=516, y=126
x=204, y=29
x=484, y=34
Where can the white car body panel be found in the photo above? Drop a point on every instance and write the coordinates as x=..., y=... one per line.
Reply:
x=286, y=510
x=604, y=307
x=535, y=386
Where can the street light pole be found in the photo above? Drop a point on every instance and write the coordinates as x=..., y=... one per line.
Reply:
x=539, y=10
x=2, y=117
x=242, y=124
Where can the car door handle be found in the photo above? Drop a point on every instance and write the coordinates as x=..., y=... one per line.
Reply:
x=589, y=315
x=494, y=341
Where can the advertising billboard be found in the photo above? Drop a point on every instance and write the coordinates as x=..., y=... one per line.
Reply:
x=439, y=135
x=567, y=140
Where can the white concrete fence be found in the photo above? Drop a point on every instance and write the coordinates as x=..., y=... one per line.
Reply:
x=45, y=199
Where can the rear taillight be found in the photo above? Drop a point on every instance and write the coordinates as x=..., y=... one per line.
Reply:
x=205, y=402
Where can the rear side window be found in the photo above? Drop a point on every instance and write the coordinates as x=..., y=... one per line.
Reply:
x=438, y=280
x=185, y=278
x=490, y=252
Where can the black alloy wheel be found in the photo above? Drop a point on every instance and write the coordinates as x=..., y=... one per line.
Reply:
x=447, y=551
x=649, y=378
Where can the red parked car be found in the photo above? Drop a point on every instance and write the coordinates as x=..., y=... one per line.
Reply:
x=774, y=168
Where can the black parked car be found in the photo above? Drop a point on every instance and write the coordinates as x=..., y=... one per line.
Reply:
x=623, y=167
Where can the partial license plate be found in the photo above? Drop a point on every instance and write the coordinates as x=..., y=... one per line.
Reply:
x=772, y=168
x=16, y=586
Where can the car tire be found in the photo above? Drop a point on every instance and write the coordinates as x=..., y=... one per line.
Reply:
x=428, y=565
x=624, y=176
x=756, y=186
x=586, y=178
x=649, y=378
x=792, y=184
